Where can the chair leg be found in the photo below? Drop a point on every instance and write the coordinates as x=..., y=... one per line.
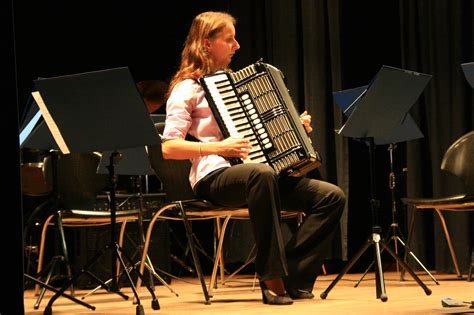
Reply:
x=145, y=260
x=56, y=259
x=471, y=266
x=120, y=243
x=408, y=242
x=221, y=255
x=41, y=250
x=450, y=244
x=147, y=242
x=218, y=261
x=192, y=247
x=250, y=258
x=62, y=237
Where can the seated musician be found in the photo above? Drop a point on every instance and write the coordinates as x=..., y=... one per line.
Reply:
x=153, y=93
x=286, y=271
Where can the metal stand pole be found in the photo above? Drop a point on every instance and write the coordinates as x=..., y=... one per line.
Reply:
x=394, y=234
x=375, y=239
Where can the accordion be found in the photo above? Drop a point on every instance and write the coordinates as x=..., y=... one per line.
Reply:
x=254, y=103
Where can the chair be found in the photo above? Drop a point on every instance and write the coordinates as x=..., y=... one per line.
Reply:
x=182, y=205
x=76, y=185
x=458, y=160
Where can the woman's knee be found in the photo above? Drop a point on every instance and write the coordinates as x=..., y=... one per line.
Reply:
x=338, y=198
x=263, y=173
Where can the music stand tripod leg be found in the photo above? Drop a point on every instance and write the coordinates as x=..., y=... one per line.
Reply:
x=51, y=267
x=407, y=268
x=57, y=259
x=346, y=268
x=70, y=297
x=154, y=303
x=396, y=239
x=114, y=247
x=130, y=268
x=367, y=270
x=408, y=250
x=152, y=271
x=148, y=264
x=397, y=235
x=48, y=310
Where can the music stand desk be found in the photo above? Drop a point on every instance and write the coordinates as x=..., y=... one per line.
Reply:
x=376, y=112
x=97, y=111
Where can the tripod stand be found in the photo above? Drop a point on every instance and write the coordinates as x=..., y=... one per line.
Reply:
x=54, y=203
x=394, y=234
x=378, y=114
x=148, y=264
x=127, y=126
x=377, y=241
x=116, y=250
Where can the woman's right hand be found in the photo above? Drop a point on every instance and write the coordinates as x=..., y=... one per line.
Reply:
x=235, y=147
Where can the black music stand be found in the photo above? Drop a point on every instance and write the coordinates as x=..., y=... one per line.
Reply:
x=406, y=131
x=135, y=161
x=34, y=134
x=98, y=111
x=376, y=115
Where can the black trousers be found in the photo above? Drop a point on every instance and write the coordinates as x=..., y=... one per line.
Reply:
x=257, y=187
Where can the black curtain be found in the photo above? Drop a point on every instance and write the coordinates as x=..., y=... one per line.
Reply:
x=436, y=37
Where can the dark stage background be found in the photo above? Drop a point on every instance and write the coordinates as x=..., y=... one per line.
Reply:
x=322, y=46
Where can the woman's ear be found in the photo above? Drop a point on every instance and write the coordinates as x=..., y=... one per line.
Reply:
x=206, y=44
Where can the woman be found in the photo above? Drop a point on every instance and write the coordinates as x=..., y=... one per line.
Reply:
x=286, y=272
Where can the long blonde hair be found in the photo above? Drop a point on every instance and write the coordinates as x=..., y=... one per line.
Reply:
x=195, y=61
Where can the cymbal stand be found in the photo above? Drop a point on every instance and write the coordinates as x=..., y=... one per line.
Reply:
x=394, y=234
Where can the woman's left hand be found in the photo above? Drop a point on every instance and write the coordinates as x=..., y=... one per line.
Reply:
x=306, y=120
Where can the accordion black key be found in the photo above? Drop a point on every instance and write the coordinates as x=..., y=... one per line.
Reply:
x=254, y=103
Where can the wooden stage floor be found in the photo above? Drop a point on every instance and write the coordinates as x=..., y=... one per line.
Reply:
x=238, y=297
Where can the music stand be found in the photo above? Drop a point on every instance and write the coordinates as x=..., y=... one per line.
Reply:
x=406, y=131
x=98, y=111
x=135, y=161
x=35, y=134
x=375, y=115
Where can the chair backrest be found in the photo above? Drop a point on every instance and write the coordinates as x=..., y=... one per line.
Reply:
x=174, y=174
x=78, y=183
x=459, y=160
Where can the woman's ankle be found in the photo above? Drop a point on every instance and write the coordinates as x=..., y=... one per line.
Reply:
x=276, y=286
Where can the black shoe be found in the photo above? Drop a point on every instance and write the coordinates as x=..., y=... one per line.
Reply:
x=269, y=297
x=299, y=294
